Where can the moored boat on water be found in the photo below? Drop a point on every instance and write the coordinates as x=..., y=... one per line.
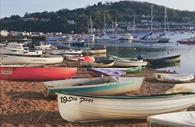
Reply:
x=164, y=60
x=10, y=59
x=94, y=51
x=187, y=41
x=80, y=108
x=36, y=73
x=95, y=86
x=149, y=39
x=166, y=77
x=163, y=39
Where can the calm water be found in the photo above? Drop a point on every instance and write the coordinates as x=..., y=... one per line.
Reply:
x=128, y=49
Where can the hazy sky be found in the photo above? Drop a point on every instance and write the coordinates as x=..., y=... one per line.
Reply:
x=19, y=7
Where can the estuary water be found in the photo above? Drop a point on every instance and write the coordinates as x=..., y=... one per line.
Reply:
x=157, y=50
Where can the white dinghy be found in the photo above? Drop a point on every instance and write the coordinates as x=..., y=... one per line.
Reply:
x=182, y=88
x=178, y=119
x=9, y=59
x=79, y=108
x=166, y=77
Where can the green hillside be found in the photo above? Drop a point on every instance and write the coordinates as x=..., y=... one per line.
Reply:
x=67, y=21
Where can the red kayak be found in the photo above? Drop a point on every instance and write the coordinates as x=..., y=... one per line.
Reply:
x=36, y=73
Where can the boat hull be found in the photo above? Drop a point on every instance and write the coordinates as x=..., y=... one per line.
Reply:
x=100, y=64
x=95, y=86
x=187, y=42
x=178, y=119
x=128, y=63
x=9, y=59
x=165, y=77
x=85, y=108
x=98, y=72
x=164, y=60
x=36, y=73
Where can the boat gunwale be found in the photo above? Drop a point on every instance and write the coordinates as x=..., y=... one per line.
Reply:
x=131, y=97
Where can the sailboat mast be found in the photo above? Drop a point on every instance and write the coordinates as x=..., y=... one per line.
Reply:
x=134, y=23
x=151, y=25
x=91, y=25
x=165, y=18
x=104, y=20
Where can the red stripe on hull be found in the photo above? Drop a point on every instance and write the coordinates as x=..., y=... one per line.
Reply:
x=36, y=74
x=186, y=42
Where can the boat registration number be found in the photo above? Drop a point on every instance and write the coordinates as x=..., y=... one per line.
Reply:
x=6, y=72
x=66, y=99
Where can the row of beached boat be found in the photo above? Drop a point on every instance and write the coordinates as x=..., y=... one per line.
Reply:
x=87, y=99
x=85, y=108
x=84, y=100
x=113, y=84
x=91, y=99
x=114, y=61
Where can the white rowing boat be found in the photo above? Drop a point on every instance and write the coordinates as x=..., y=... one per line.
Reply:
x=178, y=119
x=182, y=88
x=77, y=108
x=165, y=77
x=104, y=86
x=9, y=59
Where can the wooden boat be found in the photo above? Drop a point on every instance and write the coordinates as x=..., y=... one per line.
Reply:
x=166, y=77
x=21, y=53
x=128, y=62
x=18, y=49
x=95, y=86
x=72, y=57
x=67, y=52
x=182, y=88
x=9, y=59
x=128, y=70
x=95, y=51
x=164, y=65
x=98, y=72
x=170, y=59
x=133, y=70
x=80, y=108
x=100, y=64
x=22, y=65
x=36, y=73
x=177, y=119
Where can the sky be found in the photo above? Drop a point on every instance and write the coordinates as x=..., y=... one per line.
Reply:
x=20, y=7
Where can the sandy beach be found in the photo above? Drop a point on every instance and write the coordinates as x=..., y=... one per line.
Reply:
x=23, y=104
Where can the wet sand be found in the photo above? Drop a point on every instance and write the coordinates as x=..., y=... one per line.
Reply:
x=23, y=104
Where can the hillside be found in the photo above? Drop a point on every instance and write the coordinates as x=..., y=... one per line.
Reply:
x=67, y=21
